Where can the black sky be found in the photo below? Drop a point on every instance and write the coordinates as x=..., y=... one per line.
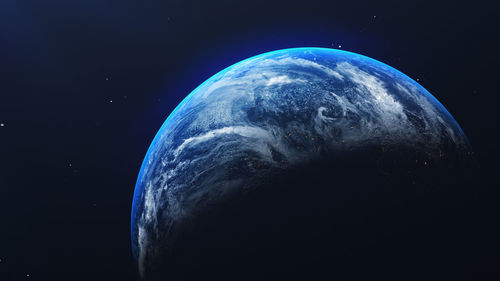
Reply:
x=85, y=85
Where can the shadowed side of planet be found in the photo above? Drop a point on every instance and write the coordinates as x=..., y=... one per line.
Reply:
x=304, y=163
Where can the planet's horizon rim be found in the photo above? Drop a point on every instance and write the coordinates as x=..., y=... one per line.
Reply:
x=226, y=69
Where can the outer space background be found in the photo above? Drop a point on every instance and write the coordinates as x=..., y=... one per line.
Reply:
x=85, y=85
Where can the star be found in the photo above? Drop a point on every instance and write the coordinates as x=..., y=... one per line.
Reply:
x=2, y=125
x=340, y=46
x=107, y=78
x=110, y=101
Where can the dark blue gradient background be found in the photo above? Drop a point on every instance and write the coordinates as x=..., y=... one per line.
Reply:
x=69, y=157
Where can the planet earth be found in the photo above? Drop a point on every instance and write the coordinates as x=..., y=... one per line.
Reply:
x=297, y=164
